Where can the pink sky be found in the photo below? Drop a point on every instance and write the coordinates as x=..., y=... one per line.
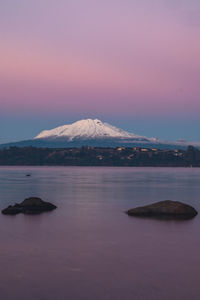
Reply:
x=128, y=57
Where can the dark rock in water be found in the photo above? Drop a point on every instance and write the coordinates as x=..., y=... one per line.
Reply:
x=164, y=209
x=31, y=205
x=12, y=210
x=28, y=175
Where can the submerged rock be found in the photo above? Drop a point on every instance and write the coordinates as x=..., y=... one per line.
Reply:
x=164, y=209
x=31, y=205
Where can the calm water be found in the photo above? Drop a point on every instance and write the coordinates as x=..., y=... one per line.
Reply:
x=89, y=249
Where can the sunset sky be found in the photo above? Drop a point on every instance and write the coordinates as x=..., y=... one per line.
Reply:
x=132, y=63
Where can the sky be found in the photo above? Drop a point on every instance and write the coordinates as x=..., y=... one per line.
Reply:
x=132, y=63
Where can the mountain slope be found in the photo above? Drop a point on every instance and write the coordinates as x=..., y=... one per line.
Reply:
x=88, y=129
x=94, y=133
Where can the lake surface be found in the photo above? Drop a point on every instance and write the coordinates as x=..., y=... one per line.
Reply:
x=88, y=248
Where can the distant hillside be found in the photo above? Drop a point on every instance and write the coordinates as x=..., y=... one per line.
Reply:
x=91, y=156
x=106, y=142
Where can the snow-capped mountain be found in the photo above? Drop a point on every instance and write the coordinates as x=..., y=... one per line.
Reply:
x=94, y=133
x=88, y=129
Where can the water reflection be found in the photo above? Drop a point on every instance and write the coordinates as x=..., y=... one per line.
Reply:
x=89, y=248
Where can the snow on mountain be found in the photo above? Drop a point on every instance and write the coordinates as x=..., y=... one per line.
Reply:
x=95, y=133
x=89, y=129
